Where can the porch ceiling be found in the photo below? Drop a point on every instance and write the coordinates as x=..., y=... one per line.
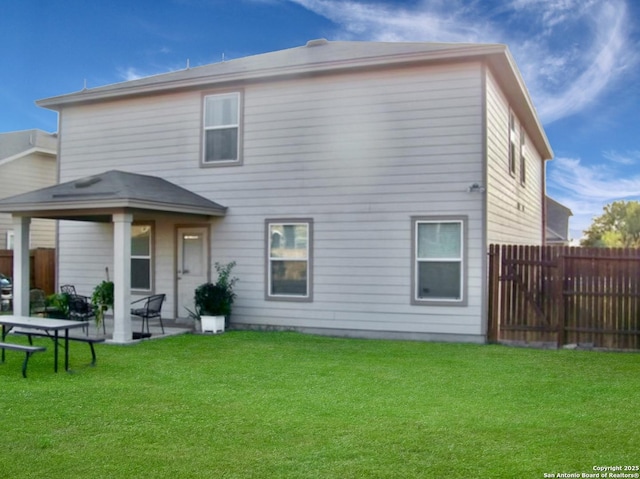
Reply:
x=97, y=197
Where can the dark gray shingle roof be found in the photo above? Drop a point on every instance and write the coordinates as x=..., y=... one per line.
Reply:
x=113, y=189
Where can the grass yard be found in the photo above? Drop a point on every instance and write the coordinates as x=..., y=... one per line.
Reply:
x=285, y=405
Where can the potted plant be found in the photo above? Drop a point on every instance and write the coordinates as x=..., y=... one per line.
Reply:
x=59, y=303
x=102, y=300
x=214, y=300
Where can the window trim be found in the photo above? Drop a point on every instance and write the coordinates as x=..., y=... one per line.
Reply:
x=151, y=257
x=523, y=158
x=10, y=240
x=463, y=221
x=512, y=144
x=267, y=273
x=203, y=129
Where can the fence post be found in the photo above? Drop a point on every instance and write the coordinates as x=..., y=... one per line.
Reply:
x=493, y=328
x=559, y=300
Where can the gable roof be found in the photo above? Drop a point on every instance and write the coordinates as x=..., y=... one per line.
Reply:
x=17, y=144
x=94, y=198
x=320, y=57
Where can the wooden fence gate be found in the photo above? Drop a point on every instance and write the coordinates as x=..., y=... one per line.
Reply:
x=42, y=266
x=565, y=295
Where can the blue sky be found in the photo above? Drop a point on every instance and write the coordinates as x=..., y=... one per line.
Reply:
x=579, y=58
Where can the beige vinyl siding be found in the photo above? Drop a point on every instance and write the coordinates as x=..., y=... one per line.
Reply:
x=21, y=175
x=360, y=154
x=514, y=211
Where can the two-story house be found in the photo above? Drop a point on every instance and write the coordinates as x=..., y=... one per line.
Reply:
x=27, y=162
x=357, y=185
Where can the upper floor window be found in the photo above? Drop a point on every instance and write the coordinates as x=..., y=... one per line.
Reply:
x=439, y=257
x=221, y=136
x=289, y=259
x=512, y=144
x=523, y=160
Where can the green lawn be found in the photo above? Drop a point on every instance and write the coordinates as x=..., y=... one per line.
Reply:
x=285, y=405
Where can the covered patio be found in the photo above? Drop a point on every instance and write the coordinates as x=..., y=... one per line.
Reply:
x=114, y=196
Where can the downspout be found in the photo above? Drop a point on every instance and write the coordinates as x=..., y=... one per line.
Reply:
x=484, y=305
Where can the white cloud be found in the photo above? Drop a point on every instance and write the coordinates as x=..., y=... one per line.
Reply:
x=435, y=21
x=564, y=77
x=578, y=76
x=603, y=181
x=587, y=189
x=130, y=73
x=624, y=158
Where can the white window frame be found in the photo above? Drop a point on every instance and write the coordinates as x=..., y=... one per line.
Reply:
x=148, y=257
x=238, y=125
x=512, y=144
x=462, y=258
x=523, y=158
x=308, y=297
x=10, y=239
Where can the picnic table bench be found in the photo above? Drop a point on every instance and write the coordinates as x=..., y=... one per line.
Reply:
x=51, y=328
x=82, y=339
x=29, y=350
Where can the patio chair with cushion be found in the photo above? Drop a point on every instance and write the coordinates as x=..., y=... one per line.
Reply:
x=81, y=309
x=150, y=309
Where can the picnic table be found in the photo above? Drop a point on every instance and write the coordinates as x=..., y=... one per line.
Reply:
x=32, y=326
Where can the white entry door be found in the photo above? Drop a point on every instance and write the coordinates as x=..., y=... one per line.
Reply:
x=193, y=261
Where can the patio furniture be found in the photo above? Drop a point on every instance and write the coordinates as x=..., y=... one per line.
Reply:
x=38, y=303
x=150, y=310
x=29, y=350
x=38, y=326
x=81, y=309
x=68, y=289
x=6, y=293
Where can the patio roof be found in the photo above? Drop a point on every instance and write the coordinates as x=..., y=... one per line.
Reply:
x=97, y=197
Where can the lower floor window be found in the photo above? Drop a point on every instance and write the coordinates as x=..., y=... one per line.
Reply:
x=289, y=259
x=141, y=257
x=438, y=260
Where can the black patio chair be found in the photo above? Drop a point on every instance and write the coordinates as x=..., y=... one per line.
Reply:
x=81, y=309
x=68, y=289
x=151, y=306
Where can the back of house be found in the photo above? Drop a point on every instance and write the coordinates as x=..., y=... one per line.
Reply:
x=360, y=184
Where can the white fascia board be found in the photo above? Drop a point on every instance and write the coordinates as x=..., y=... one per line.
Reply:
x=91, y=206
x=35, y=149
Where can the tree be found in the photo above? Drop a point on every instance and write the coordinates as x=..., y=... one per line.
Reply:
x=618, y=226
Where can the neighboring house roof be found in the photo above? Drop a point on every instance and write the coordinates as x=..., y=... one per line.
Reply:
x=96, y=197
x=320, y=57
x=18, y=144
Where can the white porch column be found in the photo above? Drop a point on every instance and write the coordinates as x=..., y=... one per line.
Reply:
x=122, y=277
x=21, y=280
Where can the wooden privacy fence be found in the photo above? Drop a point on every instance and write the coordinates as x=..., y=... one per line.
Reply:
x=565, y=295
x=42, y=267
